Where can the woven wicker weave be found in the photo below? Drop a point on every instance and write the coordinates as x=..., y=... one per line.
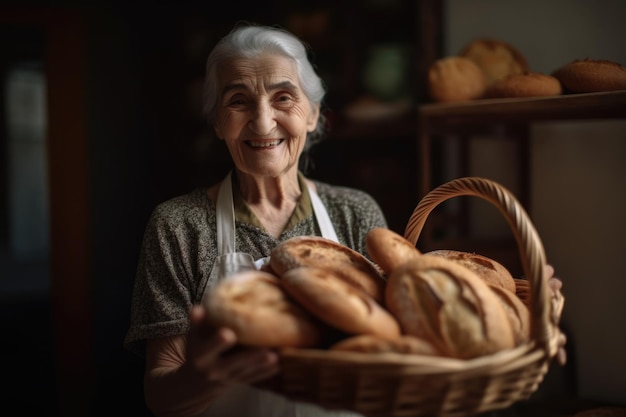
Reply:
x=397, y=385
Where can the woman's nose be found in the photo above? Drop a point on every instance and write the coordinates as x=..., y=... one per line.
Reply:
x=262, y=121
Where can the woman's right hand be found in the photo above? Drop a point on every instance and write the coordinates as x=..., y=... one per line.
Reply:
x=185, y=373
x=214, y=353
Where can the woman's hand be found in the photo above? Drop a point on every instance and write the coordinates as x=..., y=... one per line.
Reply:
x=555, y=283
x=212, y=352
x=185, y=373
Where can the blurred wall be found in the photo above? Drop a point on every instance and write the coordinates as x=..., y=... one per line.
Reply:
x=577, y=175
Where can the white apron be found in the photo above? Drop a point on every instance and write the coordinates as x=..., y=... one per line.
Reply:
x=244, y=400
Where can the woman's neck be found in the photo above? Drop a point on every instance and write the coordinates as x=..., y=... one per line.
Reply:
x=271, y=199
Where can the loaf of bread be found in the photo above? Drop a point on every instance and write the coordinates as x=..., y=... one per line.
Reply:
x=489, y=270
x=338, y=303
x=517, y=312
x=496, y=58
x=256, y=307
x=446, y=304
x=389, y=249
x=455, y=79
x=528, y=84
x=317, y=251
x=523, y=291
x=591, y=76
x=404, y=344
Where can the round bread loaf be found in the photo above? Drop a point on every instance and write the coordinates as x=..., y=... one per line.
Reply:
x=255, y=306
x=528, y=84
x=338, y=303
x=497, y=59
x=404, y=344
x=454, y=79
x=523, y=291
x=446, y=304
x=591, y=76
x=517, y=313
x=489, y=270
x=317, y=251
x=389, y=249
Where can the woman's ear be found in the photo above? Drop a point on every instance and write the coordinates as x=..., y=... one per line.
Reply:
x=313, y=117
x=218, y=131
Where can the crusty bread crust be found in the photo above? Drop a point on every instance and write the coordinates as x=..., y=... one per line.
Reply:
x=490, y=270
x=404, y=344
x=255, y=306
x=446, y=304
x=591, y=76
x=454, y=79
x=338, y=303
x=317, y=251
x=496, y=58
x=517, y=313
x=528, y=84
x=371, y=285
x=389, y=249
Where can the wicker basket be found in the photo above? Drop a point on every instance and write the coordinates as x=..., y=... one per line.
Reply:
x=396, y=385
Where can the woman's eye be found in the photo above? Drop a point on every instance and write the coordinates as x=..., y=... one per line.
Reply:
x=236, y=101
x=284, y=98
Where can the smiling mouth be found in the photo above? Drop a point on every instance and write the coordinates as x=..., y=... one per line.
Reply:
x=264, y=143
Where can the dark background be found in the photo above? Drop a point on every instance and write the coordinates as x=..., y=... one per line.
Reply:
x=126, y=133
x=129, y=136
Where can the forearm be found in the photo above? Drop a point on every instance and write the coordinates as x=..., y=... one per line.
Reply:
x=186, y=373
x=179, y=392
x=175, y=384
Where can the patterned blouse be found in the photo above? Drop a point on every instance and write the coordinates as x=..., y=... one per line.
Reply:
x=180, y=246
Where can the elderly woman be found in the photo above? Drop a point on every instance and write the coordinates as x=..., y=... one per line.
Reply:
x=263, y=98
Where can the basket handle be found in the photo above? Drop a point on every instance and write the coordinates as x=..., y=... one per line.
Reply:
x=544, y=331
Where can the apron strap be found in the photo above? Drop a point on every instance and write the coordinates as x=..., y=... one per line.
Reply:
x=228, y=261
x=225, y=217
x=321, y=215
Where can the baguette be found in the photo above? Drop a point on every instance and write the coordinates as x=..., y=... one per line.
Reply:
x=338, y=303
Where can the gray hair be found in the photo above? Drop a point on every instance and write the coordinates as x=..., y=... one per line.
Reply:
x=251, y=41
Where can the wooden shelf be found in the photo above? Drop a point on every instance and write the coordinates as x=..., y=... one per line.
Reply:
x=463, y=118
x=440, y=121
x=607, y=105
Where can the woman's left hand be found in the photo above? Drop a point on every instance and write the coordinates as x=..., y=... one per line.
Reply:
x=556, y=285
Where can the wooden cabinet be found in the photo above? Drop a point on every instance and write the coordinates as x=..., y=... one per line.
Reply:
x=510, y=119
x=374, y=57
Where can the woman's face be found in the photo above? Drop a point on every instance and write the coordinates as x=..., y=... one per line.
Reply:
x=263, y=114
